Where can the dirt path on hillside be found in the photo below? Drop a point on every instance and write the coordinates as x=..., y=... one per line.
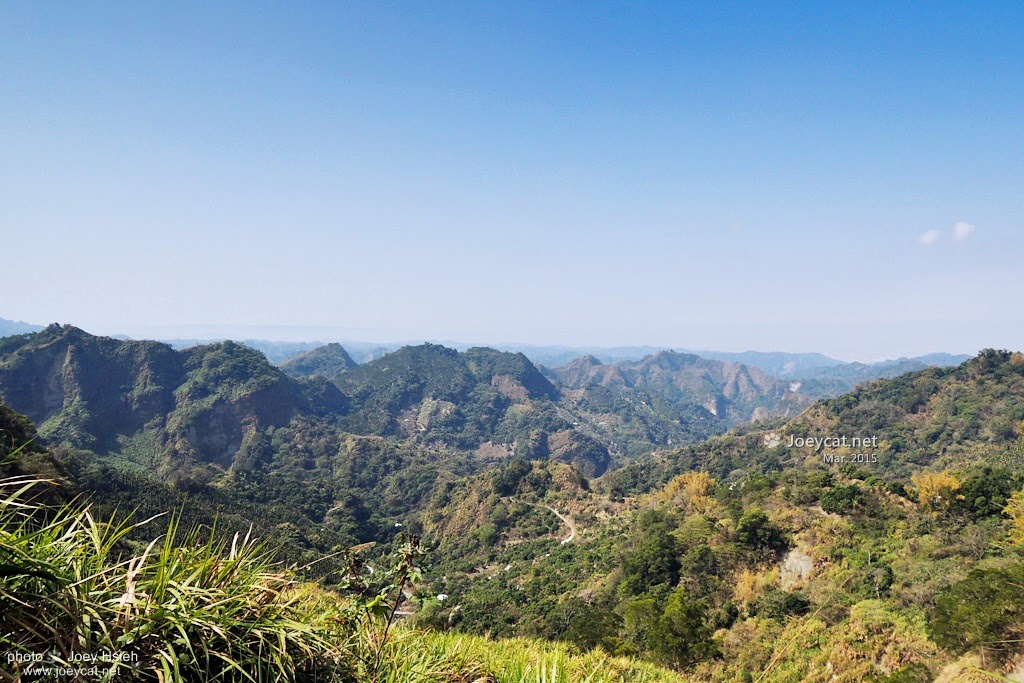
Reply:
x=565, y=520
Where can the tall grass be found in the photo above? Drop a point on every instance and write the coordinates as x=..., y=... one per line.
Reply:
x=428, y=657
x=187, y=608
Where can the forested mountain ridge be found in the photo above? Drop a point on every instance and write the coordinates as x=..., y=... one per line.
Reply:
x=471, y=381
x=109, y=395
x=207, y=402
x=206, y=406
x=486, y=402
x=221, y=424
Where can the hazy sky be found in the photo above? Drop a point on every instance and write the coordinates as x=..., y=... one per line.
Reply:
x=838, y=177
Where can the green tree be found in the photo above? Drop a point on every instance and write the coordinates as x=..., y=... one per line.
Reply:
x=639, y=621
x=842, y=500
x=682, y=637
x=654, y=560
x=756, y=532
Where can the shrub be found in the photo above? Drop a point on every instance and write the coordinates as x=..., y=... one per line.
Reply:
x=842, y=500
x=756, y=532
x=983, y=610
x=777, y=604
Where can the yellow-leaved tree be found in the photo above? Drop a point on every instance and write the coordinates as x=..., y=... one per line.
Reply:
x=693, y=489
x=935, y=490
x=1015, y=509
x=747, y=588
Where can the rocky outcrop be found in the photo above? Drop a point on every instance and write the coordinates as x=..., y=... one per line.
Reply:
x=733, y=392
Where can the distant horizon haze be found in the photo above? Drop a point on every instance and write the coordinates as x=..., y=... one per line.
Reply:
x=341, y=334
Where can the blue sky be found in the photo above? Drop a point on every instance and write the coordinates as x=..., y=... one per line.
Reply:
x=784, y=176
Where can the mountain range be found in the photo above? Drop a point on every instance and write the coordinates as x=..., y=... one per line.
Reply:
x=159, y=407
x=836, y=375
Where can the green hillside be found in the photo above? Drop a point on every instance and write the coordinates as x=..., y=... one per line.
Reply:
x=767, y=562
x=78, y=599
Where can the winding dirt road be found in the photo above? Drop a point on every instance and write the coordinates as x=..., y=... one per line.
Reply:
x=565, y=520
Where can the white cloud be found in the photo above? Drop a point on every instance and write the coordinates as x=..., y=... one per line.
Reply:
x=929, y=237
x=962, y=230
